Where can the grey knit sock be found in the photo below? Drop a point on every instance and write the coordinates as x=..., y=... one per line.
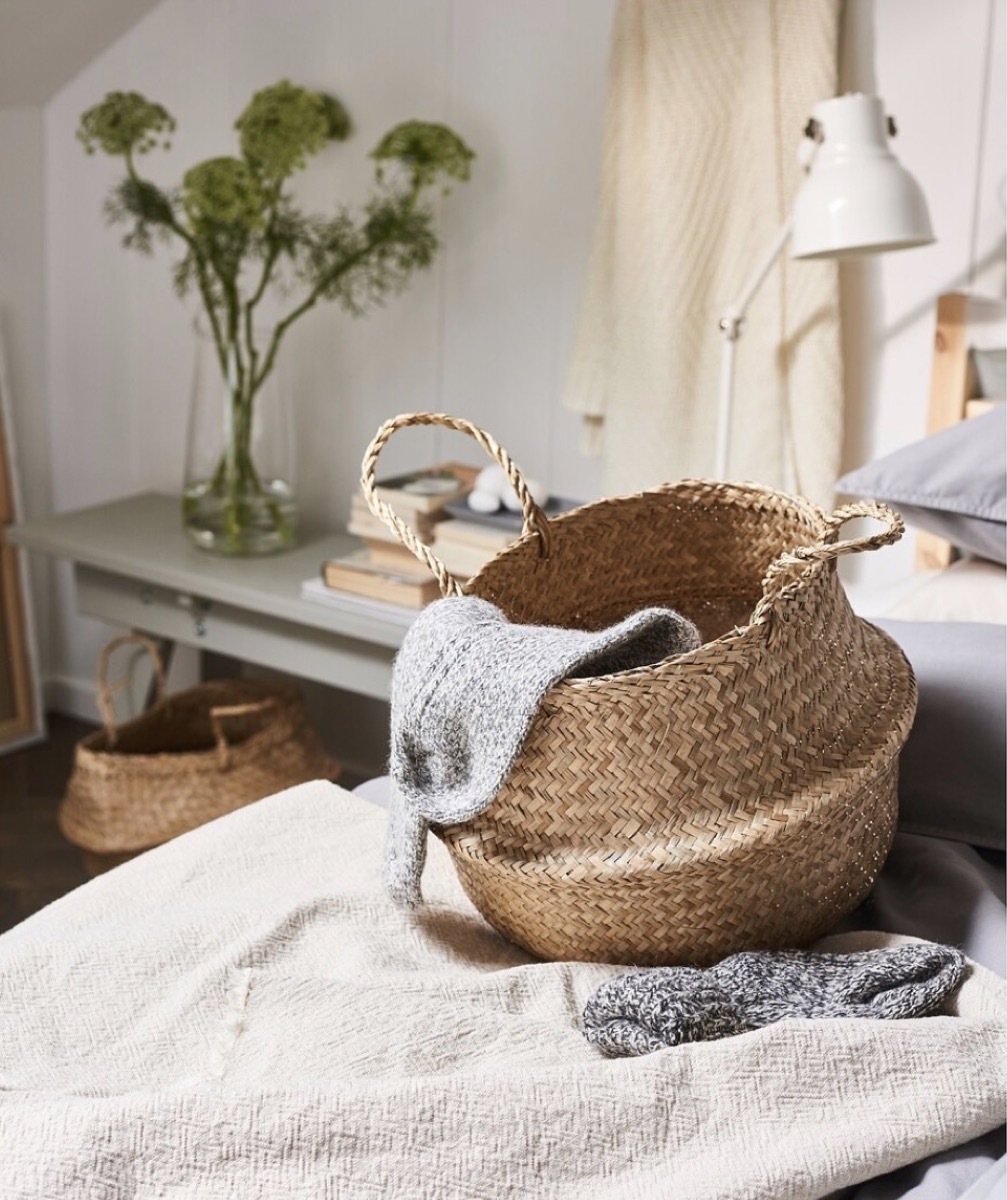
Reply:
x=466, y=686
x=405, y=852
x=645, y=1011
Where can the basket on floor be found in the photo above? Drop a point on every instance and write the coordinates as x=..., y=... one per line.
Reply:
x=738, y=796
x=191, y=757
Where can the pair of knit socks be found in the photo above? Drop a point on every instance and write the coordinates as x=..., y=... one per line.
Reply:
x=645, y=1011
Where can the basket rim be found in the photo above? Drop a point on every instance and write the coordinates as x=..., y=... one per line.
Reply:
x=95, y=745
x=731, y=492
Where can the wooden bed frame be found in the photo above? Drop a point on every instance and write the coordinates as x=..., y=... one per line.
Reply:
x=964, y=322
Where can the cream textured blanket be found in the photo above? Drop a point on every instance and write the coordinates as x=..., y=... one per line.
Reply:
x=242, y=1014
x=707, y=101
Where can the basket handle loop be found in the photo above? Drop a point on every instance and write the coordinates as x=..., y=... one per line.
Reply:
x=219, y=714
x=535, y=520
x=829, y=548
x=107, y=690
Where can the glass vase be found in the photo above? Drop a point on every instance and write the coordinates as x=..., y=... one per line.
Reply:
x=239, y=495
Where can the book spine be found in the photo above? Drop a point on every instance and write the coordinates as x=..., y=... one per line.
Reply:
x=391, y=555
x=447, y=535
x=377, y=587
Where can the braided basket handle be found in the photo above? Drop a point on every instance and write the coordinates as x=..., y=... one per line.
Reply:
x=220, y=712
x=774, y=582
x=535, y=520
x=106, y=690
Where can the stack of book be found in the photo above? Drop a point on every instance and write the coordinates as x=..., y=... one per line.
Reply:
x=467, y=540
x=315, y=589
x=383, y=569
x=381, y=544
x=465, y=547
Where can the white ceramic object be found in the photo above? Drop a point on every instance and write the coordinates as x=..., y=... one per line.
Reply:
x=538, y=494
x=493, y=487
x=483, y=502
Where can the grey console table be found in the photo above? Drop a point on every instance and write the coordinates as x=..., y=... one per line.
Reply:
x=134, y=567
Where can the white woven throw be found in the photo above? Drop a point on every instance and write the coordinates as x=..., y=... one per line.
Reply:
x=707, y=101
x=466, y=687
x=243, y=1014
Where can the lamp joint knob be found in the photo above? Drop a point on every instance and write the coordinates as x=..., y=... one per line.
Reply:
x=731, y=326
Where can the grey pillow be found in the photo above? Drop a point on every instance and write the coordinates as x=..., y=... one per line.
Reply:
x=953, y=483
x=991, y=372
x=953, y=768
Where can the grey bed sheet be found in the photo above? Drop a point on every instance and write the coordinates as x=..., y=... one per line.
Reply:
x=947, y=892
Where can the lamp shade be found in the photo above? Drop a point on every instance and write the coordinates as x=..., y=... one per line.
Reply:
x=857, y=198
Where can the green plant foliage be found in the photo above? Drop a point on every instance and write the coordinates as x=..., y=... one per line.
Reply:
x=242, y=234
x=144, y=207
x=240, y=230
x=223, y=191
x=429, y=151
x=125, y=123
x=282, y=127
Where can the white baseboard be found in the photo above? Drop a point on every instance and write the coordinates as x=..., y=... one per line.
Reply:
x=71, y=698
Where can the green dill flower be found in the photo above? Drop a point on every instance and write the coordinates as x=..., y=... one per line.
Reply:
x=340, y=125
x=124, y=123
x=284, y=124
x=144, y=201
x=241, y=233
x=223, y=191
x=429, y=150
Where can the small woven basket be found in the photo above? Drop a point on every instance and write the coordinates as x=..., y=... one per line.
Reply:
x=189, y=758
x=739, y=796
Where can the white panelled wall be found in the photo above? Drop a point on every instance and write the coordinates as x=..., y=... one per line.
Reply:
x=940, y=69
x=485, y=334
x=22, y=318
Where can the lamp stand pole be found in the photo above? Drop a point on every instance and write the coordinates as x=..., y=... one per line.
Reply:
x=731, y=325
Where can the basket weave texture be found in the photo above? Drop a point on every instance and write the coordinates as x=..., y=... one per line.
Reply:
x=191, y=757
x=739, y=796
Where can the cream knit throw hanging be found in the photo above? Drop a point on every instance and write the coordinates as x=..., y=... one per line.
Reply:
x=707, y=102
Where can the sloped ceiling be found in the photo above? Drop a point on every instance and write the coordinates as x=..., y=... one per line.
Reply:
x=44, y=43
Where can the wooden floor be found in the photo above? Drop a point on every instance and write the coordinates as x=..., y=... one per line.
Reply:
x=38, y=864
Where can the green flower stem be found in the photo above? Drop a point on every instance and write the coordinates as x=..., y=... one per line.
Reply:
x=326, y=281
x=201, y=271
x=234, y=214
x=235, y=478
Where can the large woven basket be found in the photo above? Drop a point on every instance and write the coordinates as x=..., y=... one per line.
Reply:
x=742, y=795
x=191, y=757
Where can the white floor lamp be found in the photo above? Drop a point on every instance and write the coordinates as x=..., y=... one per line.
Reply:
x=855, y=199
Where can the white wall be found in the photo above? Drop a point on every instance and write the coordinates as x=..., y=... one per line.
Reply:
x=940, y=69
x=22, y=323
x=485, y=334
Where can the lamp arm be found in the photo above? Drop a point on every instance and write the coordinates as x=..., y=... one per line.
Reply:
x=734, y=316
x=731, y=324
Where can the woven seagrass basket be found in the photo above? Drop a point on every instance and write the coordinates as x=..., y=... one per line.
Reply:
x=192, y=756
x=739, y=796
